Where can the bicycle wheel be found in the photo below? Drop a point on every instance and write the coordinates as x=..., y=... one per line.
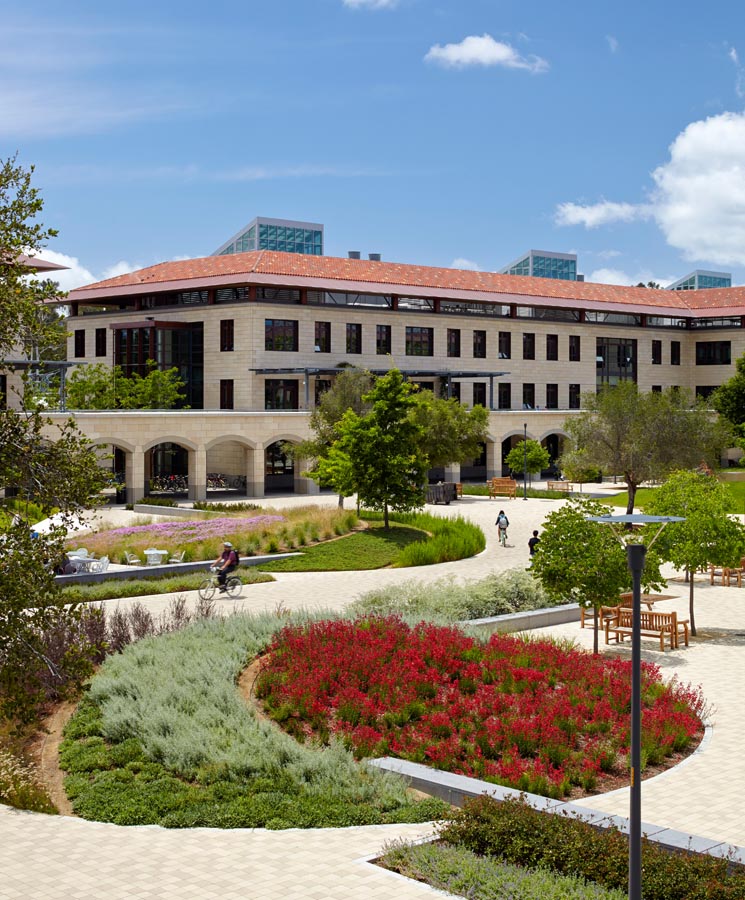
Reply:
x=503, y=537
x=234, y=585
x=207, y=589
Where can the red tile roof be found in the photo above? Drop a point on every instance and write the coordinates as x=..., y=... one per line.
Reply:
x=416, y=278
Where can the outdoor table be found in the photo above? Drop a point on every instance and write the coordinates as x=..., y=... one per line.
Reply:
x=81, y=563
x=648, y=599
x=155, y=557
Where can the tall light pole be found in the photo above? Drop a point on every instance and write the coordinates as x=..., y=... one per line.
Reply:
x=636, y=554
x=525, y=461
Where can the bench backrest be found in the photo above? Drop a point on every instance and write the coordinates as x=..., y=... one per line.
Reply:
x=649, y=620
x=503, y=482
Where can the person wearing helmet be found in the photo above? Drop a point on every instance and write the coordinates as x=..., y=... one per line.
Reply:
x=225, y=563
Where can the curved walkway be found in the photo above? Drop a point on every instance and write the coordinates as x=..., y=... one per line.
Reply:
x=57, y=857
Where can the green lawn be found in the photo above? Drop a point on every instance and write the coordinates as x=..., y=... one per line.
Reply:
x=736, y=489
x=371, y=549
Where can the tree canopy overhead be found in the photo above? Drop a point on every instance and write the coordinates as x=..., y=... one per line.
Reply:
x=645, y=436
x=52, y=465
x=101, y=387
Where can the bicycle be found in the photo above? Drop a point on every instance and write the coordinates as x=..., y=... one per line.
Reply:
x=209, y=586
x=503, y=536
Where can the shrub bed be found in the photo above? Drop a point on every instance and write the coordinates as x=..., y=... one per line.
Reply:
x=165, y=738
x=531, y=715
x=516, y=833
x=458, y=870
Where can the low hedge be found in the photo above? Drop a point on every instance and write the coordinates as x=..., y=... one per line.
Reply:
x=515, y=832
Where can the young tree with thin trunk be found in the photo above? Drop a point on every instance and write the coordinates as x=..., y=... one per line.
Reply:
x=538, y=458
x=379, y=454
x=645, y=436
x=583, y=562
x=708, y=534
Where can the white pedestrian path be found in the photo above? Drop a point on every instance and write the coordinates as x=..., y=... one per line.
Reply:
x=49, y=857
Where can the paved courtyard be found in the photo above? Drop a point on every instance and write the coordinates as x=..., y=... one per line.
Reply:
x=59, y=857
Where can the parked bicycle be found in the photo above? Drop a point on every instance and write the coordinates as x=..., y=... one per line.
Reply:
x=209, y=586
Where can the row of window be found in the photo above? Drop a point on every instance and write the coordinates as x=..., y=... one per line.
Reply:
x=282, y=393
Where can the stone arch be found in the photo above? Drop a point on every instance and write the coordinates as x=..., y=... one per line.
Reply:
x=230, y=462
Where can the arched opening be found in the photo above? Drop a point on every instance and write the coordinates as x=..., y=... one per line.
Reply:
x=279, y=469
x=226, y=470
x=508, y=444
x=554, y=443
x=474, y=469
x=167, y=470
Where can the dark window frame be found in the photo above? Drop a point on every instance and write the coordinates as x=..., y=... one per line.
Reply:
x=552, y=347
x=420, y=341
x=505, y=345
x=575, y=348
x=354, y=337
x=552, y=396
x=227, y=393
x=713, y=353
x=227, y=335
x=101, y=342
x=656, y=353
x=322, y=337
x=453, y=342
x=383, y=343
x=79, y=343
x=479, y=344
x=574, y=396
x=528, y=345
x=281, y=335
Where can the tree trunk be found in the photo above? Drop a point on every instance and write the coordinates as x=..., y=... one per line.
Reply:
x=341, y=501
x=690, y=607
x=386, y=524
x=632, y=497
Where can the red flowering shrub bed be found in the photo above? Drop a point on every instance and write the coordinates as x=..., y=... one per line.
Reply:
x=527, y=714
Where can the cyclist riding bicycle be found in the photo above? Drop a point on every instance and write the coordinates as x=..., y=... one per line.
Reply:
x=502, y=524
x=225, y=563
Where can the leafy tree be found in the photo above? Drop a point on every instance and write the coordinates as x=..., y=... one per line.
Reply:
x=538, y=457
x=101, y=387
x=379, y=454
x=53, y=465
x=574, y=465
x=729, y=400
x=450, y=431
x=346, y=392
x=583, y=562
x=645, y=436
x=650, y=284
x=708, y=534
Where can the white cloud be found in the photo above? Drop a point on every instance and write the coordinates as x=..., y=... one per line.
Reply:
x=618, y=276
x=597, y=214
x=698, y=197
x=76, y=275
x=461, y=262
x=608, y=254
x=483, y=51
x=370, y=4
x=740, y=73
x=612, y=43
x=699, y=201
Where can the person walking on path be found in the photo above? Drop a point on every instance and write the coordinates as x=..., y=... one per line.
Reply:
x=502, y=523
x=533, y=543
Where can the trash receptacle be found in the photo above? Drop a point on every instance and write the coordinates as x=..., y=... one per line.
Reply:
x=121, y=495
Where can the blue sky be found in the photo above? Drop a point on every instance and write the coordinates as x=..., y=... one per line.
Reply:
x=440, y=133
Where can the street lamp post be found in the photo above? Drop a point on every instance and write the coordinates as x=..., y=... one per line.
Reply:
x=636, y=554
x=525, y=461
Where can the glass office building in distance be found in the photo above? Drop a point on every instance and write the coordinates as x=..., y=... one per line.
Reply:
x=701, y=279
x=276, y=234
x=545, y=264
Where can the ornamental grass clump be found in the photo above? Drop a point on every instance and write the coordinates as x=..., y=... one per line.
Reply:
x=448, y=601
x=19, y=786
x=532, y=715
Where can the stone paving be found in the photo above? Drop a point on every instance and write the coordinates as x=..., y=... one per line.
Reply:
x=59, y=857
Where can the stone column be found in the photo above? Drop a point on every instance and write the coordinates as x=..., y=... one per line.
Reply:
x=255, y=472
x=493, y=459
x=134, y=474
x=198, y=474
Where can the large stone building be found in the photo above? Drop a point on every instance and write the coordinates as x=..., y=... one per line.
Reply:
x=257, y=336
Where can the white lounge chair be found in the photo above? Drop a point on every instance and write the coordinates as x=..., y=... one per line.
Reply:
x=177, y=557
x=132, y=560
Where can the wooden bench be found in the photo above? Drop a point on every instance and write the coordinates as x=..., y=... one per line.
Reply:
x=502, y=487
x=458, y=490
x=726, y=574
x=652, y=624
x=565, y=486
